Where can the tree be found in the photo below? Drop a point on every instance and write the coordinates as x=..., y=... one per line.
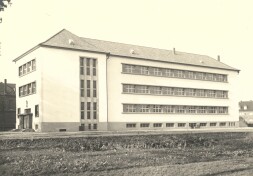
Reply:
x=3, y=5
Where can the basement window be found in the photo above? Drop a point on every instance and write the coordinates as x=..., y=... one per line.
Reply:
x=130, y=125
x=62, y=130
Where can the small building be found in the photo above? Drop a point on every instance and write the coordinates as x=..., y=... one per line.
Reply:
x=7, y=106
x=71, y=83
x=246, y=112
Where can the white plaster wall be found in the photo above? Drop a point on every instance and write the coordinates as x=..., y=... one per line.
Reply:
x=61, y=85
x=33, y=99
x=116, y=98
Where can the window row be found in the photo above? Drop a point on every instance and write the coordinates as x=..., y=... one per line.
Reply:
x=27, y=89
x=90, y=112
x=172, y=125
x=89, y=90
x=167, y=72
x=89, y=127
x=159, y=90
x=88, y=66
x=174, y=109
x=27, y=67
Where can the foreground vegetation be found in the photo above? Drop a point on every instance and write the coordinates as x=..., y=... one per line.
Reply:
x=161, y=154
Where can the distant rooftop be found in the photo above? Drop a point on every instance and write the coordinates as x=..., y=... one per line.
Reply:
x=246, y=105
x=66, y=40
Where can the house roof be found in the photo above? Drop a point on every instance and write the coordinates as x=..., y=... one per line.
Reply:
x=247, y=104
x=62, y=39
x=10, y=88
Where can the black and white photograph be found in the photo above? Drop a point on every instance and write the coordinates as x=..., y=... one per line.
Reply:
x=126, y=87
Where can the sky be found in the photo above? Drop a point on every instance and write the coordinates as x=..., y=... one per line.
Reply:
x=207, y=27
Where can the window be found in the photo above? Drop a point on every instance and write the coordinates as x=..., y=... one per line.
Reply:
x=222, y=123
x=213, y=124
x=29, y=90
x=200, y=93
x=33, y=64
x=20, y=91
x=190, y=75
x=222, y=110
x=128, y=89
x=202, y=124
x=88, y=88
x=82, y=88
x=81, y=66
x=200, y=75
x=221, y=94
x=142, y=89
x=24, y=69
x=129, y=108
x=168, y=109
x=94, y=88
x=130, y=125
x=157, y=109
x=192, y=109
x=94, y=110
x=88, y=110
x=179, y=91
x=157, y=125
x=169, y=73
x=180, y=109
x=202, y=110
x=211, y=93
x=211, y=110
x=210, y=76
x=94, y=65
x=190, y=92
x=87, y=66
x=34, y=87
x=36, y=110
x=25, y=90
x=157, y=72
x=89, y=126
x=144, y=70
x=180, y=74
x=29, y=67
x=144, y=108
x=181, y=124
x=95, y=126
x=128, y=68
x=82, y=110
x=169, y=124
x=144, y=125
x=157, y=90
x=20, y=71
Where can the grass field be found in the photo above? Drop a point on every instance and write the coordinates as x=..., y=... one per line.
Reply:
x=133, y=154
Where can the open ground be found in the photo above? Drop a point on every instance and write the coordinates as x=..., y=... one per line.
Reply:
x=192, y=152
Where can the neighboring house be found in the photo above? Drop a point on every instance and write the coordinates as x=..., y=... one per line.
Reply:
x=7, y=106
x=246, y=112
x=70, y=83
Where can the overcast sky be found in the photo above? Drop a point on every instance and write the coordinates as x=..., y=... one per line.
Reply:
x=207, y=27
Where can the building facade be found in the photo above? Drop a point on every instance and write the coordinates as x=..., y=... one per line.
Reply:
x=7, y=106
x=70, y=83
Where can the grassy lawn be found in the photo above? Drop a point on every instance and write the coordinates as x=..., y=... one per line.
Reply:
x=156, y=154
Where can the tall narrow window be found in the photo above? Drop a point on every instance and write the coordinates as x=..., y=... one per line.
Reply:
x=29, y=90
x=34, y=87
x=20, y=71
x=88, y=88
x=36, y=110
x=88, y=110
x=82, y=88
x=20, y=91
x=87, y=66
x=94, y=89
x=82, y=110
x=94, y=110
x=29, y=67
x=81, y=66
x=24, y=69
x=25, y=90
x=19, y=111
x=33, y=64
x=94, y=65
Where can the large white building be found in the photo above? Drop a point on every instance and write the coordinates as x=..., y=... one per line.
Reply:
x=70, y=83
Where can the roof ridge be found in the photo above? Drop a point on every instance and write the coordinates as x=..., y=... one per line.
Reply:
x=55, y=35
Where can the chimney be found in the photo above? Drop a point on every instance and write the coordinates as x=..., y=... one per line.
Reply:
x=174, y=51
x=5, y=86
x=218, y=58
